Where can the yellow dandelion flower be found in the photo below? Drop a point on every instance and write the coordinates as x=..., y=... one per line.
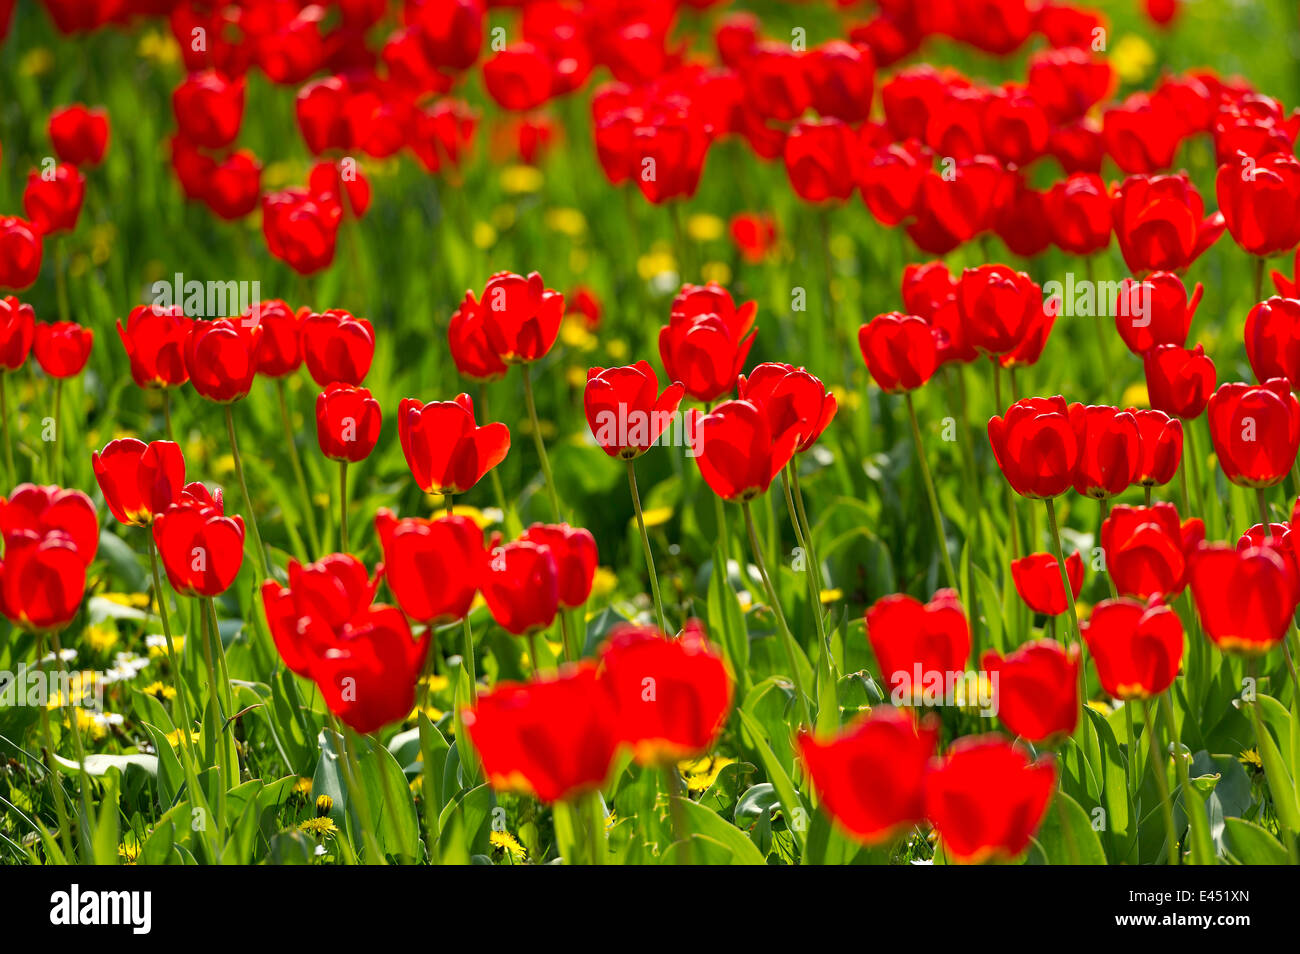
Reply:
x=1099, y=705
x=101, y=638
x=485, y=236
x=575, y=376
x=604, y=581
x=129, y=600
x=702, y=773
x=159, y=691
x=1251, y=758
x=657, y=516
x=224, y=466
x=503, y=217
x=129, y=851
x=436, y=682
x=174, y=738
x=36, y=62
x=719, y=272
x=703, y=227
x=1132, y=58
x=617, y=348
x=830, y=596
x=655, y=262
x=521, y=180
x=158, y=48
x=575, y=335
x=318, y=828
x=508, y=844
x=566, y=221
x=302, y=787
x=1135, y=395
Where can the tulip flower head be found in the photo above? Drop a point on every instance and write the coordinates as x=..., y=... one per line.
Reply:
x=1136, y=648
x=139, y=480
x=447, y=452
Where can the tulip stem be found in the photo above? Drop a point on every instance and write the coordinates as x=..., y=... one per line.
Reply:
x=1055, y=533
x=295, y=461
x=1162, y=783
x=356, y=789
x=531, y=404
x=1133, y=777
x=645, y=545
x=467, y=658
x=676, y=793
x=182, y=698
x=787, y=638
x=929, y=491
x=10, y=472
x=167, y=413
x=597, y=823
x=258, y=551
x=61, y=276
x=214, y=712
x=1012, y=515
x=57, y=793
x=54, y=460
x=1266, y=525
x=1105, y=515
x=1180, y=763
x=1259, y=280
x=343, y=506
x=810, y=573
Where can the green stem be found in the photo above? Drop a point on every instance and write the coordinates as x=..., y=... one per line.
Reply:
x=167, y=413
x=645, y=545
x=259, y=553
x=182, y=695
x=1162, y=784
x=215, y=714
x=51, y=773
x=11, y=471
x=929, y=492
x=1105, y=515
x=55, y=458
x=356, y=788
x=541, y=444
x=1055, y=533
x=343, y=506
x=307, y=513
x=814, y=590
x=787, y=638
x=1133, y=778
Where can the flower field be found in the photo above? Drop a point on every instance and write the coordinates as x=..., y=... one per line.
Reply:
x=649, y=433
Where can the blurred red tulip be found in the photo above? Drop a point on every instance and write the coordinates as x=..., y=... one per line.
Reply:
x=42, y=582
x=1037, y=578
x=279, y=345
x=53, y=197
x=62, y=347
x=669, y=149
x=234, y=186
x=871, y=776
x=754, y=235
x=450, y=30
x=574, y=551
x=553, y=737
x=342, y=180
x=1079, y=209
x=1137, y=649
x=821, y=159
x=998, y=305
x=1255, y=431
x=1142, y=134
x=301, y=229
x=986, y=798
x=17, y=333
x=1036, y=689
x=671, y=697
x=337, y=347
x=347, y=422
x=220, y=358
x=891, y=180
x=307, y=617
x=34, y=512
x=79, y=135
x=776, y=80
x=368, y=677
x=20, y=253
x=841, y=78
x=209, y=109
x=911, y=640
x=446, y=451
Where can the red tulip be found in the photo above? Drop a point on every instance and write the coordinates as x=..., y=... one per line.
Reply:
x=279, y=346
x=1179, y=382
x=1142, y=134
x=1036, y=689
x=521, y=585
x=17, y=333
x=347, y=422
x=998, y=305
x=1160, y=222
x=20, y=252
x=912, y=640
x=368, y=677
x=776, y=81
x=1021, y=218
x=234, y=186
x=1154, y=311
x=446, y=451
x=450, y=32
x=79, y=135
x=1078, y=146
x=791, y=398
x=155, y=340
x=209, y=109
x=301, y=229
x=737, y=452
x=1110, y=450
x=625, y=410
x=307, y=617
x=1037, y=578
x=1016, y=127
x=671, y=697
x=1136, y=648
x=62, y=347
x=553, y=737
x=1068, y=80
x=821, y=159
x=1276, y=537
x=1162, y=447
x=1246, y=599
x=320, y=110
x=433, y=567
x=957, y=205
x=520, y=317
x=574, y=552
x=706, y=340
x=901, y=351
x=986, y=798
x=337, y=347
x=139, y=480
x=754, y=235
x=1079, y=210
x=871, y=776
x=841, y=77
x=1036, y=446
x=1273, y=339
x=519, y=77
x=220, y=358
x=201, y=548
x=42, y=581
x=1255, y=431
x=34, y=512
x=1147, y=549
x=341, y=180
x=670, y=148
x=1031, y=346
x=470, y=347
x=1260, y=201
x=891, y=180
x=52, y=198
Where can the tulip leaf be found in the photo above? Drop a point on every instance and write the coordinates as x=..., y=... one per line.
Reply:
x=703, y=822
x=796, y=813
x=1251, y=845
x=1067, y=836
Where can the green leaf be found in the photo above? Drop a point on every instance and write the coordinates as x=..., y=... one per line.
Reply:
x=796, y=813
x=1252, y=845
x=701, y=821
